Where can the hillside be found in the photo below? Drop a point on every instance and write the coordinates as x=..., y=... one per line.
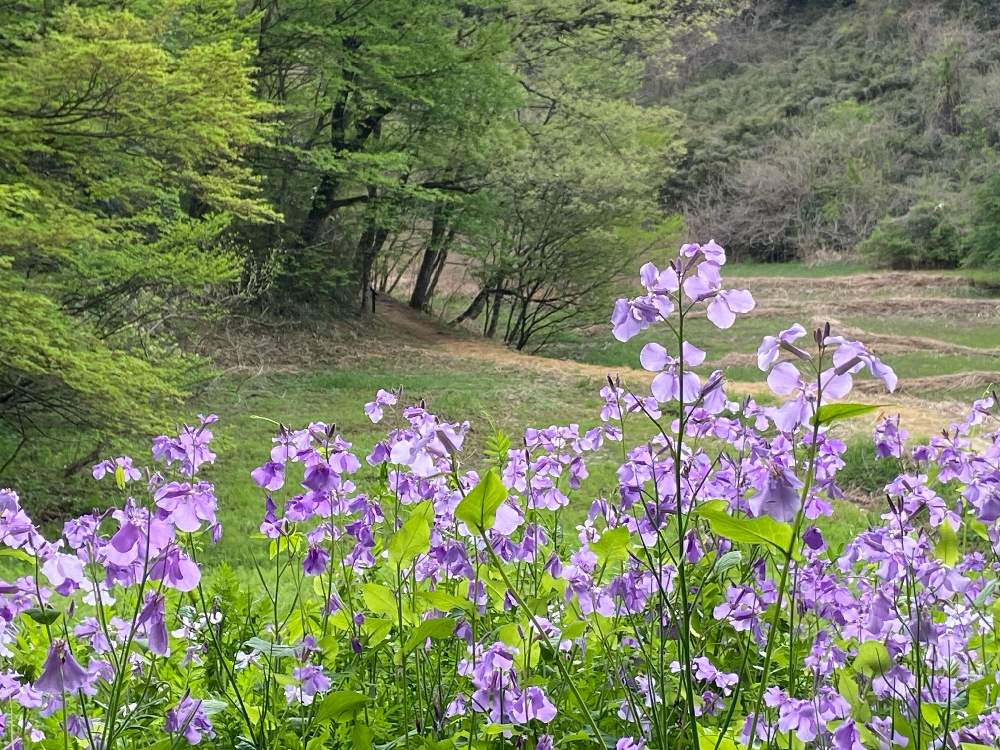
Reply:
x=811, y=126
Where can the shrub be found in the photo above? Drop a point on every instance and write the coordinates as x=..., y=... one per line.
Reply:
x=410, y=599
x=926, y=237
x=984, y=237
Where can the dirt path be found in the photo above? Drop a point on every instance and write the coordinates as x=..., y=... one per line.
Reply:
x=415, y=331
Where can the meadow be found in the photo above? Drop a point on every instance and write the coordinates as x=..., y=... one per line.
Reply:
x=938, y=329
x=334, y=564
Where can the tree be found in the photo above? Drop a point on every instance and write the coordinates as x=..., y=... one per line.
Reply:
x=380, y=100
x=120, y=174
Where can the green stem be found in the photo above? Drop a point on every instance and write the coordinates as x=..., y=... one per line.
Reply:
x=555, y=650
x=783, y=582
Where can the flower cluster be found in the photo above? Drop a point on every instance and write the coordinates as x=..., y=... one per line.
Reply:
x=420, y=595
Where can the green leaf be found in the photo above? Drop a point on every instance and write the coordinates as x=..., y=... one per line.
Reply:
x=361, y=737
x=612, y=546
x=478, y=509
x=45, y=616
x=931, y=714
x=444, y=600
x=946, y=549
x=848, y=689
x=340, y=705
x=835, y=412
x=414, y=536
x=872, y=659
x=119, y=477
x=436, y=629
x=379, y=599
x=274, y=650
x=709, y=739
x=764, y=530
x=975, y=695
x=17, y=554
x=497, y=447
x=731, y=559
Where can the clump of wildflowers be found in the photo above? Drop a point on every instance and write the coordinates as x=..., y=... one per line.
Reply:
x=418, y=595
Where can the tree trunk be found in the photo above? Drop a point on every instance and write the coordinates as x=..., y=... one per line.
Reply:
x=369, y=247
x=420, y=298
x=474, y=309
x=441, y=260
x=491, y=327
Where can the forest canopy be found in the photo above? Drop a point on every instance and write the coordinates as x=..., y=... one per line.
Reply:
x=166, y=162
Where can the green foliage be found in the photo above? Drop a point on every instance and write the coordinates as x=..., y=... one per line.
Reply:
x=926, y=237
x=984, y=239
x=121, y=172
x=812, y=124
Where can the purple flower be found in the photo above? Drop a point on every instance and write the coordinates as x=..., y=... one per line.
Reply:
x=852, y=356
x=779, y=499
x=186, y=506
x=176, y=570
x=666, y=386
x=110, y=466
x=152, y=617
x=188, y=718
x=270, y=476
x=889, y=438
x=770, y=347
x=374, y=408
x=532, y=704
x=65, y=572
x=311, y=681
x=727, y=303
x=847, y=737
x=61, y=672
x=315, y=561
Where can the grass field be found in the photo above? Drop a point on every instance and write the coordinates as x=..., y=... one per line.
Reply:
x=939, y=331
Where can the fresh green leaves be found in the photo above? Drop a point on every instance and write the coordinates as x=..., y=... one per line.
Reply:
x=829, y=413
x=414, y=537
x=946, y=548
x=612, y=546
x=340, y=705
x=872, y=659
x=764, y=530
x=436, y=629
x=478, y=509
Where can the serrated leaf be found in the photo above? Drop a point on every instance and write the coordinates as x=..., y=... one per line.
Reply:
x=478, y=509
x=413, y=538
x=872, y=659
x=612, y=546
x=340, y=705
x=836, y=412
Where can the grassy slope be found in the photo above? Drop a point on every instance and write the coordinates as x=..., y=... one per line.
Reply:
x=959, y=338
x=332, y=387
